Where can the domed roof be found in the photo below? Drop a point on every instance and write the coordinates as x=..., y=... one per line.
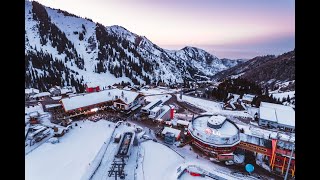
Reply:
x=216, y=120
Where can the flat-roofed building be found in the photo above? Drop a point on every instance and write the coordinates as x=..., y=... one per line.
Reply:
x=277, y=116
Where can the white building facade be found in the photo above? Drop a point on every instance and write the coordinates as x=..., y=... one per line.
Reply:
x=277, y=116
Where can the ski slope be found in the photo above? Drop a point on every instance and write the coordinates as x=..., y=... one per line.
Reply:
x=69, y=159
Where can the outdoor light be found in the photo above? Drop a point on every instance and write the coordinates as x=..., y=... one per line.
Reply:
x=94, y=110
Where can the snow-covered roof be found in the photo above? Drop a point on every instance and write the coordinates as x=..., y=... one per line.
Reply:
x=186, y=123
x=286, y=117
x=225, y=136
x=243, y=106
x=275, y=106
x=277, y=113
x=56, y=97
x=52, y=105
x=171, y=106
x=72, y=94
x=34, y=114
x=135, y=107
x=267, y=113
x=148, y=106
x=235, y=96
x=34, y=108
x=92, y=84
x=42, y=94
x=60, y=130
x=227, y=129
x=216, y=120
x=39, y=129
x=232, y=104
x=156, y=109
x=31, y=90
x=248, y=97
x=98, y=97
x=65, y=91
x=176, y=132
x=263, y=133
x=165, y=109
x=54, y=88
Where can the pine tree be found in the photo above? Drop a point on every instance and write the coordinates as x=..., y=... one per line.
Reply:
x=288, y=98
x=283, y=100
x=266, y=91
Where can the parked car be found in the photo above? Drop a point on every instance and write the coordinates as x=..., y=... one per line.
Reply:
x=230, y=162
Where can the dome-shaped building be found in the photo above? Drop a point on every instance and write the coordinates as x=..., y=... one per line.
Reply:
x=215, y=135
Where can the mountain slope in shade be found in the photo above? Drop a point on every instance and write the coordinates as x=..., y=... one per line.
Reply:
x=64, y=49
x=272, y=71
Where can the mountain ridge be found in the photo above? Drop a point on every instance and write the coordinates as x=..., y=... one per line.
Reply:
x=270, y=71
x=92, y=52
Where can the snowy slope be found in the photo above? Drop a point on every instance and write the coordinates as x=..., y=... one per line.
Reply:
x=91, y=52
x=199, y=59
x=291, y=94
x=161, y=156
x=272, y=71
x=69, y=158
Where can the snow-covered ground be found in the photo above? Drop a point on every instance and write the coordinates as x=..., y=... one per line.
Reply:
x=70, y=158
x=253, y=110
x=187, y=176
x=158, y=91
x=159, y=162
x=108, y=157
x=28, y=149
x=209, y=106
x=212, y=107
x=291, y=94
x=191, y=159
x=205, y=164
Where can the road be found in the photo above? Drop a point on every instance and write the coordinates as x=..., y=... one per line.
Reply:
x=173, y=100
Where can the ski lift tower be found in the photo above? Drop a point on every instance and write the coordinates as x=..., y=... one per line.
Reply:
x=288, y=167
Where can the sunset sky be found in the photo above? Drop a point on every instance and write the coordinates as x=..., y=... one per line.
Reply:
x=228, y=29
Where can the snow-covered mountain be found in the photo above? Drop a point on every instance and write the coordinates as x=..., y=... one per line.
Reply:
x=275, y=72
x=64, y=49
